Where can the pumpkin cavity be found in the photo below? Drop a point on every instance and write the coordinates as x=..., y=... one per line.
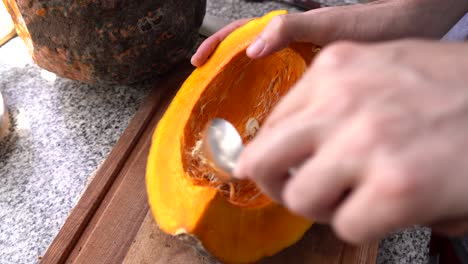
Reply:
x=244, y=92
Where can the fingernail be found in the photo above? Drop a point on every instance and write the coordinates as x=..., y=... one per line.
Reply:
x=256, y=48
x=194, y=61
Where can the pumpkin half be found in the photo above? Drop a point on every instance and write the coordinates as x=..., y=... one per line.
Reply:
x=234, y=222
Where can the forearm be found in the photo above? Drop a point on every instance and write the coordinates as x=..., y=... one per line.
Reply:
x=388, y=20
x=377, y=21
x=429, y=18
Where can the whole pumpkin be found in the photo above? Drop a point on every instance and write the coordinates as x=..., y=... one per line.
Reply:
x=234, y=222
x=108, y=41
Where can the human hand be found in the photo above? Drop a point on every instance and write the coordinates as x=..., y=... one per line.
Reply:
x=381, y=133
x=209, y=45
x=376, y=21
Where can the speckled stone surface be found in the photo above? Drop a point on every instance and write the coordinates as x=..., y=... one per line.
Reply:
x=63, y=130
x=407, y=246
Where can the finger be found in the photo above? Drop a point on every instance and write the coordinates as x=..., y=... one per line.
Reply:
x=277, y=35
x=385, y=201
x=318, y=27
x=319, y=90
x=321, y=183
x=324, y=86
x=325, y=25
x=348, y=163
x=297, y=98
x=369, y=216
x=210, y=44
x=273, y=151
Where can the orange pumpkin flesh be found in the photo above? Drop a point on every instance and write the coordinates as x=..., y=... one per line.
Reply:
x=233, y=222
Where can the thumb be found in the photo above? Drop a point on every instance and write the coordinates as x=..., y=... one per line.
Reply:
x=281, y=31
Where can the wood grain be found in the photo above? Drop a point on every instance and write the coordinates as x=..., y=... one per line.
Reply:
x=319, y=245
x=93, y=198
x=7, y=28
x=154, y=246
x=125, y=205
x=112, y=224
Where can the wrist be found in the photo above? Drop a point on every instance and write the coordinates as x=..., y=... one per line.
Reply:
x=432, y=18
x=460, y=6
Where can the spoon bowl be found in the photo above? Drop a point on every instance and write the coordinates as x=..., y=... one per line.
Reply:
x=222, y=146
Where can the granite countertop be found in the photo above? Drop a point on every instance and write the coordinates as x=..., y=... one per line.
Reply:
x=63, y=130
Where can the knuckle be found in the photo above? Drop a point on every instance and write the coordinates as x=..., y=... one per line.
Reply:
x=248, y=163
x=293, y=201
x=397, y=182
x=280, y=23
x=343, y=103
x=256, y=167
x=278, y=30
x=373, y=128
x=367, y=134
x=347, y=229
x=297, y=197
x=340, y=89
x=337, y=55
x=276, y=34
x=345, y=88
x=250, y=167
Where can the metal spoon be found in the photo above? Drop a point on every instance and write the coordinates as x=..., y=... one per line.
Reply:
x=222, y=146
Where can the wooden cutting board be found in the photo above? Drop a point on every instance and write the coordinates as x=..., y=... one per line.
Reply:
x=112, y=224
x=7, y=28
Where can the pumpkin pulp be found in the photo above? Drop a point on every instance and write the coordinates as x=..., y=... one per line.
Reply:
x=244, y=90
x=235, y=223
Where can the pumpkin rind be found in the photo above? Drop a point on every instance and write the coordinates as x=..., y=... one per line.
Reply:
x=231, y=232
x=113, y=41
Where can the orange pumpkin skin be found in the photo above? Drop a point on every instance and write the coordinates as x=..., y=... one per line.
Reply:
x=235, y=223
x=112, y=41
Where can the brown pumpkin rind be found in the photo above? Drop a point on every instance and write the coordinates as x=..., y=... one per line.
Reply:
x=112, y=41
